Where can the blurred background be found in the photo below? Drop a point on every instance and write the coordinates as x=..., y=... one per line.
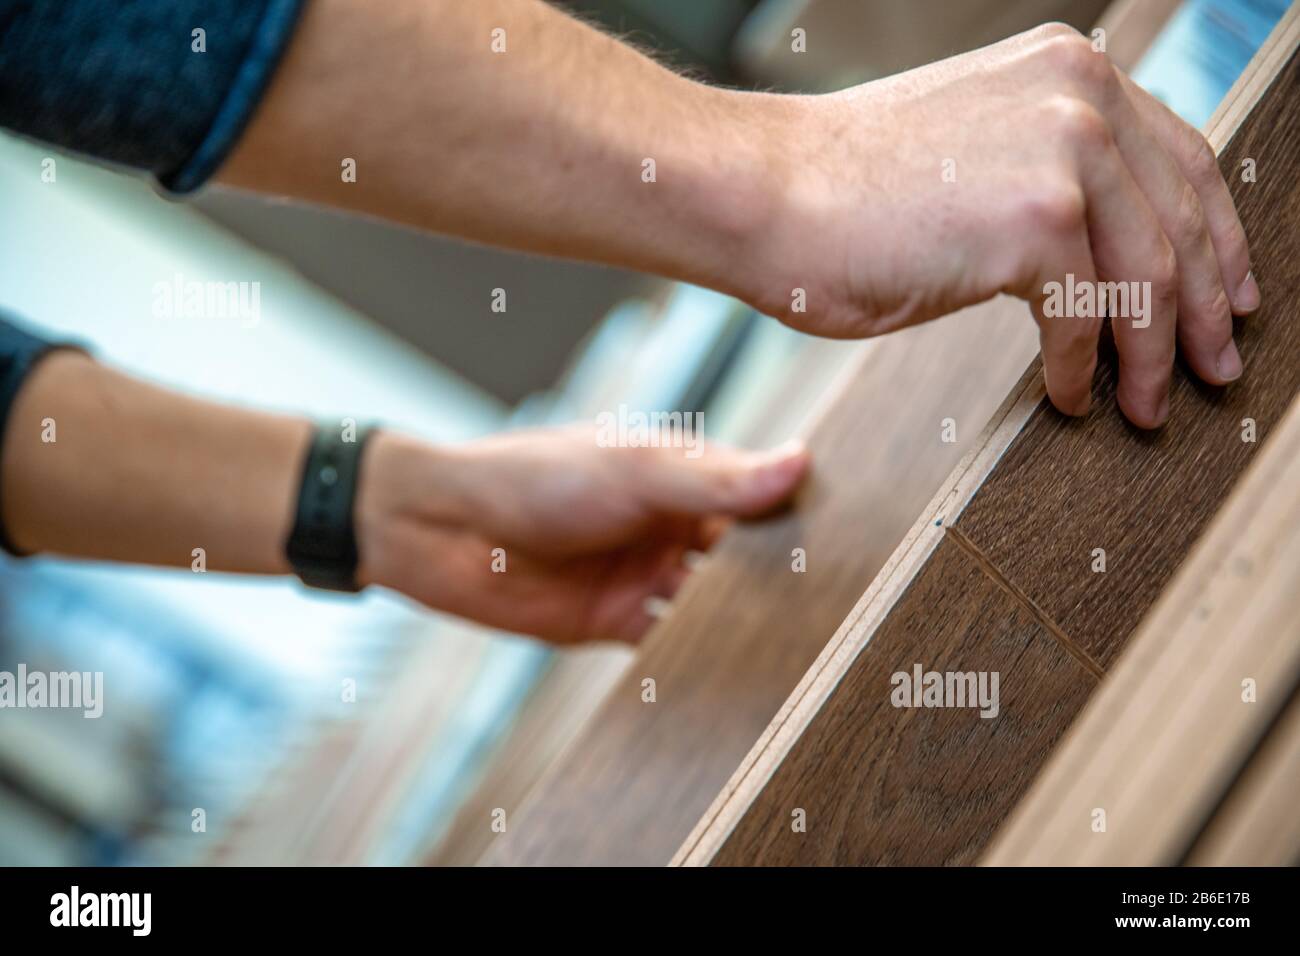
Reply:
x=226, y=695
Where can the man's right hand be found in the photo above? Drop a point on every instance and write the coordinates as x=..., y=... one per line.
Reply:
x=1005, y=170
x=1002, y=170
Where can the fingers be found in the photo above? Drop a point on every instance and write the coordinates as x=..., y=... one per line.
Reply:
x=1067, y=339
x=1195, y=157
x=1138, y=269
x=1204, y=320
x=1168, y=247
x=1098, y=249
x=722, y=481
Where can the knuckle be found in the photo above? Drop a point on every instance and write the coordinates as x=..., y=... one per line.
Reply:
x=1191, y=216
x=1050, y=31
x=1206, y=326
x=1073, y=56
x=1055, y=209
x=1236, y=248
x=1078, y=346
x=1218, y=326
x=1164, y=269
x=1202, y=164
x=1079, y=123
x=1147, y=370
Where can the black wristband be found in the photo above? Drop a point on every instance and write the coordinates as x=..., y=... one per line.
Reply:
x=322, y=548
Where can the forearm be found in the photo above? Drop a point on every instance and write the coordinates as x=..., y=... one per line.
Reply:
x=99, y=465
x=540, y=148
x=136, y=473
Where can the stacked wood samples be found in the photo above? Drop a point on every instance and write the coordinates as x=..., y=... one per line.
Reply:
x=631, y=786
x=1001, y=574
x=1182, y=755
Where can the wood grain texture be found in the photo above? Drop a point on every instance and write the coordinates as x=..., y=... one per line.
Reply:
x=746, y=627
x=881, y=784
x=1172, y=727
x=1062, y=479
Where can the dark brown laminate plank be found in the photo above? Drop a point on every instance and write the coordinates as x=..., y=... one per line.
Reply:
x=880, y=784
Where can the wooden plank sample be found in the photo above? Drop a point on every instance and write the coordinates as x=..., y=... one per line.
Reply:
x=746, y=626
x=337, y=790
x=922, y=789
x=1061, y=470
x=1174, y=724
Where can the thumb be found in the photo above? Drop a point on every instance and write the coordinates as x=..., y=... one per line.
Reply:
x=727, y=480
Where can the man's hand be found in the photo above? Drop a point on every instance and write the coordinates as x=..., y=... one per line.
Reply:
x=1003, y=170
x=586, y=533
x=1006, y=170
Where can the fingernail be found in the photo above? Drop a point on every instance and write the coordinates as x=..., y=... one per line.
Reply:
x=1229, y=365
x=1247, y=298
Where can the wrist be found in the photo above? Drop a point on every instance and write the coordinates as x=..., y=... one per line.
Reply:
x=404, y=483
x=750, y=200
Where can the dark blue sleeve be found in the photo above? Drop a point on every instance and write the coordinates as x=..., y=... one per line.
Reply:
x=20, y=350
x=124, y=81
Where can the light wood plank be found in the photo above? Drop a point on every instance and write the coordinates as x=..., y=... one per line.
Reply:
x=1257, y=824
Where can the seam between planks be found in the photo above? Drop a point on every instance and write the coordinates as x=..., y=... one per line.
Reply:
x=1012, y=590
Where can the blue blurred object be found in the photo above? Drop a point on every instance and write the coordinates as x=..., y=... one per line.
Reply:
x=1203, y=50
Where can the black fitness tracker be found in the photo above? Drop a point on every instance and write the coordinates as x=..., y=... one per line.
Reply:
x=322, y=548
